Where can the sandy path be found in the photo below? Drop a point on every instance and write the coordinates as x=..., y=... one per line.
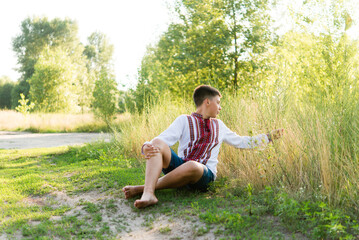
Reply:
x=25, y=140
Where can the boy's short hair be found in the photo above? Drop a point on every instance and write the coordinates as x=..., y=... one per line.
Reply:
x=202, y=92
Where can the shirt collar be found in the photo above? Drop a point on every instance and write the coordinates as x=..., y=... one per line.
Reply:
x=194, y=114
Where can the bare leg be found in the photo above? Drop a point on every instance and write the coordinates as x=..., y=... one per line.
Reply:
x=154, y=166
x=189, y=172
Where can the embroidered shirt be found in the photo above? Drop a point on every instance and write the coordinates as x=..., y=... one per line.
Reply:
x=200, y=139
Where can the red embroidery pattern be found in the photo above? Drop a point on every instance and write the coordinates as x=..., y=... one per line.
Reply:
x=215, y=121
x=203, y=140
x=190, y=123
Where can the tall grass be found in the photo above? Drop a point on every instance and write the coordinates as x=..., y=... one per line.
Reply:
x=316, y=158
x=144, y=127
x=54, y=122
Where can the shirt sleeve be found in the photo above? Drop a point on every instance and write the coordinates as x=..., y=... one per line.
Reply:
x=173, y=133
x=245, y=142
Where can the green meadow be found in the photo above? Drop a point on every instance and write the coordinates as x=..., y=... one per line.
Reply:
x=299, y=73
x=75, y=193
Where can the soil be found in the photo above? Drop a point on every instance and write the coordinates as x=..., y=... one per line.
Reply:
x=123, y=219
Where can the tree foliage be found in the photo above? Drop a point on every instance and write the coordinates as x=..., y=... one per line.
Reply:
x=99, y=53
x=57, y=72
x=230, y=44
x=105, y=97
x=37, y=34
x=6, y=87
x=24, y=106
x=213, y=42
x=54, y=85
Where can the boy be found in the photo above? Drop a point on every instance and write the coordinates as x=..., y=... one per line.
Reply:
x=200, y=136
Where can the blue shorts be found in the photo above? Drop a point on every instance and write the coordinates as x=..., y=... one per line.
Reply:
x=201, y=184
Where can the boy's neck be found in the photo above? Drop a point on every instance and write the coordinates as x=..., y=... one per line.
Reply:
x=202, y=112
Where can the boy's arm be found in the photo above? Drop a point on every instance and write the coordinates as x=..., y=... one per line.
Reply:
x=248, y=142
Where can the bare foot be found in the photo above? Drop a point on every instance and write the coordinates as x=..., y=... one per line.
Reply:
x=146, y=201
x=132, y=191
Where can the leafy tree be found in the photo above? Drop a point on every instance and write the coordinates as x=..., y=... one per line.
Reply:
x=105, y=94
x=248, y=23
x=24, y=106
x=191, y=52
x=37, y=34
x=99, y=53
x=54, y=85
x=6, y=86
x=219, y=42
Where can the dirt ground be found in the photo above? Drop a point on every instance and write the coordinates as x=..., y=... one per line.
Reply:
x=25, y=140
x=125, y=222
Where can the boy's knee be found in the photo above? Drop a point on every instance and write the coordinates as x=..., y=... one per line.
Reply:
x=164, y=150
x=194, y=168
x=159, y=143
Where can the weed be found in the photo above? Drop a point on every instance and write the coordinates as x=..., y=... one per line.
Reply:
x=91, y=207
x=201, y=231
x=165, y=230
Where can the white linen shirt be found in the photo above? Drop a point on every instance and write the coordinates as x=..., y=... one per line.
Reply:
x=200, y=139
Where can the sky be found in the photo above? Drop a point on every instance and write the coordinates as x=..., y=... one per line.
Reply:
x=130, y=25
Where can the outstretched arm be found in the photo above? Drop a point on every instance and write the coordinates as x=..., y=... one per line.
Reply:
x=249, y=142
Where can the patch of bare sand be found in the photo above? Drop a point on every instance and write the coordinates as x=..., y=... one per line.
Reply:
x=124, y=221
x=164, y=227
x=127, y=223
x=16, y=235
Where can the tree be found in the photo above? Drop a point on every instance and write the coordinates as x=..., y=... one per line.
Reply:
x=248, y=23
x=105, y=94
x=36, y=34
x=220, y=42
x=6, y=86
x=99, y=53
x=24, y=106
x=192, y=51
x=54, y=85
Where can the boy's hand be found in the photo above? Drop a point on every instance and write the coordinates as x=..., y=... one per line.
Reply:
x=149, y=150
x=275, y=134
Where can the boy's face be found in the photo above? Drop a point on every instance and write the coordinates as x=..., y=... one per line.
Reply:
x=213, y=106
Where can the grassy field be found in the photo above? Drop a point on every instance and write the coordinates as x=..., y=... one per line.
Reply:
x=75, y=193
x=55, y=122
x=315, y=160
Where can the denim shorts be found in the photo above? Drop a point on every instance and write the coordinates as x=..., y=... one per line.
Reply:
x=201, y=184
